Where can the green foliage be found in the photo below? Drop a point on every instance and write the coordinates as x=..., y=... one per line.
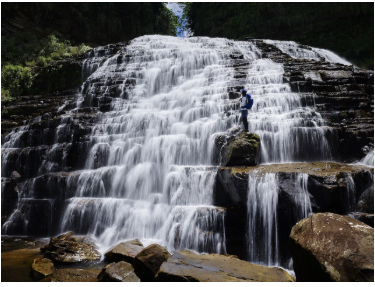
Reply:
x=14, y=81
x=93, y=23
x=345, y=28
x=30, y=51
x=15, y=77
x=96, y=23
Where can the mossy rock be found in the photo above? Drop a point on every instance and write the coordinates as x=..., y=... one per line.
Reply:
x=243, y=150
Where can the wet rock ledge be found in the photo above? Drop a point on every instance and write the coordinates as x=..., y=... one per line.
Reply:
x=343, y=95
x=332, y=187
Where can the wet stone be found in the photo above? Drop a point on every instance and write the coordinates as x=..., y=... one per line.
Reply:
x=65, y=249
x=242, y=150
x=42, y=268
x=125, y=251
x=118, y=272
x=188, y=266
x=74, y=275
x=149, y=260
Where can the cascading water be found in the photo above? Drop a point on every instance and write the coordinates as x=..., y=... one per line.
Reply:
x=282, y=119
x=148, y=156
x=263, y=215
x=368, y=159
x=305, y=52
x=145, y=174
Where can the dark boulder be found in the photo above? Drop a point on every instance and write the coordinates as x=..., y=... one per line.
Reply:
x=330, y=247
x=188, y=266
x=15, y=175
x=33, y=217
x=243, y=150
x=125, y=251
x=149, y=260
x=118, y=272
x=231, y=192
x=366, y=201
x=9, y=198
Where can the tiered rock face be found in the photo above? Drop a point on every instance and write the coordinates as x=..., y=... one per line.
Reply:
x=344, y=95
x=54, y=86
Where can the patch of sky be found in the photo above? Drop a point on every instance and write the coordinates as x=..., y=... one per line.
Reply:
x=178, y=10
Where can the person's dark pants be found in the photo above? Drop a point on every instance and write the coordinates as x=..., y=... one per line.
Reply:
x=244, y=120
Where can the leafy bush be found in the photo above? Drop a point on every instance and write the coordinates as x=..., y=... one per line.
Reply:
x=16, y=76
x=14, y=81
x=55, y=56
x=41, y=62
x=30, y=51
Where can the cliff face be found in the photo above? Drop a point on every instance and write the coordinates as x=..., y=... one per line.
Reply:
x=345, y=28
x=91, y=23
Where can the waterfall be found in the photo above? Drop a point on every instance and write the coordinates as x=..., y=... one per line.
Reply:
x=133, y=154
x=263, y=215
x=305, y=52
x=368, y=159
x=285, y=125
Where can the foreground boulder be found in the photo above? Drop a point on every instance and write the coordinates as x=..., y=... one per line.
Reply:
x=42, y=268
x=125, y=251
x=65, y=249
x=189, y=266
x=242, y=150
x=366, y=201
x=149, y=260
x=330, y=247
x=74, y=275
x=118, y=272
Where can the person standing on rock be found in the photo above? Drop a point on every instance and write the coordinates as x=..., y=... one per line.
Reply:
x=246, y=103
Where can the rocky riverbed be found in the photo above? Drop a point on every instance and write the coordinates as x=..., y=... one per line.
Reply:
x=326, y=246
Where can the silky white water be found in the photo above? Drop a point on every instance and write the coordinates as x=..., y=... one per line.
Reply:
x=159, y=138
x=368, y=159
x=263, y=215
x=305, y=52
